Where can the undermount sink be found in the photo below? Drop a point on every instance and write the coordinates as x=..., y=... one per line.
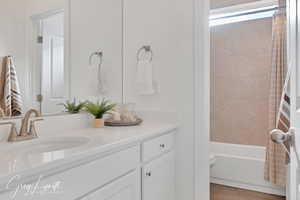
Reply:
x=51, y=149
x=56, y=144
x=41, y=150
x=17, y=156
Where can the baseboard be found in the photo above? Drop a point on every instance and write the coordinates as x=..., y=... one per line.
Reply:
x=267, y=190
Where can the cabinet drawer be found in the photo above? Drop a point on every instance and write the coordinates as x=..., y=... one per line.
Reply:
x=125, y=188
x=157, y=146
x=81, y=180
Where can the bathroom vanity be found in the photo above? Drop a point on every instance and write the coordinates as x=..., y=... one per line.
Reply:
x=57, y=57
x=129, y=163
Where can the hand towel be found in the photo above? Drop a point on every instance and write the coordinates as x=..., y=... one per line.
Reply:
x=144, y=80
x=283, y=116
x=10, y=95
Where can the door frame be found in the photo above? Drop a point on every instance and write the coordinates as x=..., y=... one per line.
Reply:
x=201, y=100
x=292, y=60
x=35, y=78
x=37, y=72
x=202, y=89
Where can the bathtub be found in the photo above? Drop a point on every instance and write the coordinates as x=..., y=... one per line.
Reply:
x=241, y=166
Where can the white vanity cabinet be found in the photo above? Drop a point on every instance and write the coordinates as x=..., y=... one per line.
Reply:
x=101, y=176
x=159, y=179
x=143, y=170
x=158, y=172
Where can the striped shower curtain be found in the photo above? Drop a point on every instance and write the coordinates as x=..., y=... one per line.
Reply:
x=275, y=166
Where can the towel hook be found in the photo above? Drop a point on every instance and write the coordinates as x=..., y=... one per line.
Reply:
x=146, y=49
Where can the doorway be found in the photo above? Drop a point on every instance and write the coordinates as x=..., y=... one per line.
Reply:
x=243, y=37
x=52, y=85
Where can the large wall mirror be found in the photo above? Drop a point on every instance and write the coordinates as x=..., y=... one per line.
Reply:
x=52, y=51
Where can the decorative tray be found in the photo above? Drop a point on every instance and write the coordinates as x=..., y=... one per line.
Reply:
x=110, y=122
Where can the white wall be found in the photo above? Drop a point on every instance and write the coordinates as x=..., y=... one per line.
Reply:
x=167, y=26
x=35, y=7
x=96, y=26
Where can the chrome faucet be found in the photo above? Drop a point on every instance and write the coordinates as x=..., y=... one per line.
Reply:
x=24, y=133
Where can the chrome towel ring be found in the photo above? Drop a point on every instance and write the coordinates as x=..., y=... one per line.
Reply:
x=98, y=54
x=146, y=49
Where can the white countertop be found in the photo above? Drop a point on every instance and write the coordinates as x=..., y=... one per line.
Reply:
x=20, y=158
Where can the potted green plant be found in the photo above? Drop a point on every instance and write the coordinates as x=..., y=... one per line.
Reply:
x=73, y=107
x=98, y=110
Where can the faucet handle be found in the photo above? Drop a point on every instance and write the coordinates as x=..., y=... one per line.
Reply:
x=2, y=114
x=13, y=131
x=32, y=129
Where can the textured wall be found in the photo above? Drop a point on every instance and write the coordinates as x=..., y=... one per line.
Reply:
x=240, y=62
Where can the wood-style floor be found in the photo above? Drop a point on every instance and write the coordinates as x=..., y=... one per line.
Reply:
x=219, y=192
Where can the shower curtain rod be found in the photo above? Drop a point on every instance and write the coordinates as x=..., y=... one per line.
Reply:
x=245, y=9
x=250, y=13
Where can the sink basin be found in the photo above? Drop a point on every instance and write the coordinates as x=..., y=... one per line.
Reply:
x=42, y=150
x=19, y=155
x=51, y=149
x=56, y=144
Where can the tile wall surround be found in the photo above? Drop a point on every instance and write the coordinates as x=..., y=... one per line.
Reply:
x=240, y=68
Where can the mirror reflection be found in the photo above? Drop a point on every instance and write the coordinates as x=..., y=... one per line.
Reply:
x=37, y=69
x=32, y=57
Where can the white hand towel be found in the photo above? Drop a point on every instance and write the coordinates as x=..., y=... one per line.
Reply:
x=144, y=81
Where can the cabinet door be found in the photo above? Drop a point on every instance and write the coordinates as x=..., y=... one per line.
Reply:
x=125, y=188
x=159, y=179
